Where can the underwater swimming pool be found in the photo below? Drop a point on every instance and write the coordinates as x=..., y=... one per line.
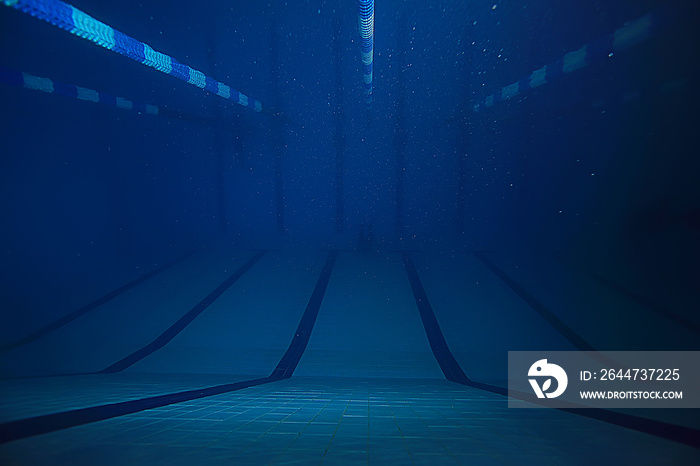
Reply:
x=288, y=239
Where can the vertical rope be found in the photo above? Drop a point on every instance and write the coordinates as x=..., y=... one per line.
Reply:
x=367, y=53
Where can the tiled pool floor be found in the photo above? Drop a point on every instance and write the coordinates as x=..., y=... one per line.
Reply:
x=345, y=421
x=23, y=398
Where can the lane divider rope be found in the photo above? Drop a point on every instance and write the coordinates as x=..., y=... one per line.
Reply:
x=632, y=33
x=37, y=83
x=81, y=24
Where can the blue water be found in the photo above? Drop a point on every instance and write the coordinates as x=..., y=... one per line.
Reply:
x=583, y=190
x=537, y=169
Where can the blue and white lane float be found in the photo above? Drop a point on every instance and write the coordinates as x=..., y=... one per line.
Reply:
x=76, y=22
x=37, y=83
x=632, y=33
x=367, y=34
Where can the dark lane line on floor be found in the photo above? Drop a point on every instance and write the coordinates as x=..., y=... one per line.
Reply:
x=296, y=349
x=23, y=428
x=639, y=299
x=449, y=365
x=565, y=331
x=49, y=376
x=453, y=372
x=165, y=337
x=68, y=318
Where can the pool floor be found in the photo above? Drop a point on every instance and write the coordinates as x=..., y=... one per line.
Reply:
x=309, y=420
